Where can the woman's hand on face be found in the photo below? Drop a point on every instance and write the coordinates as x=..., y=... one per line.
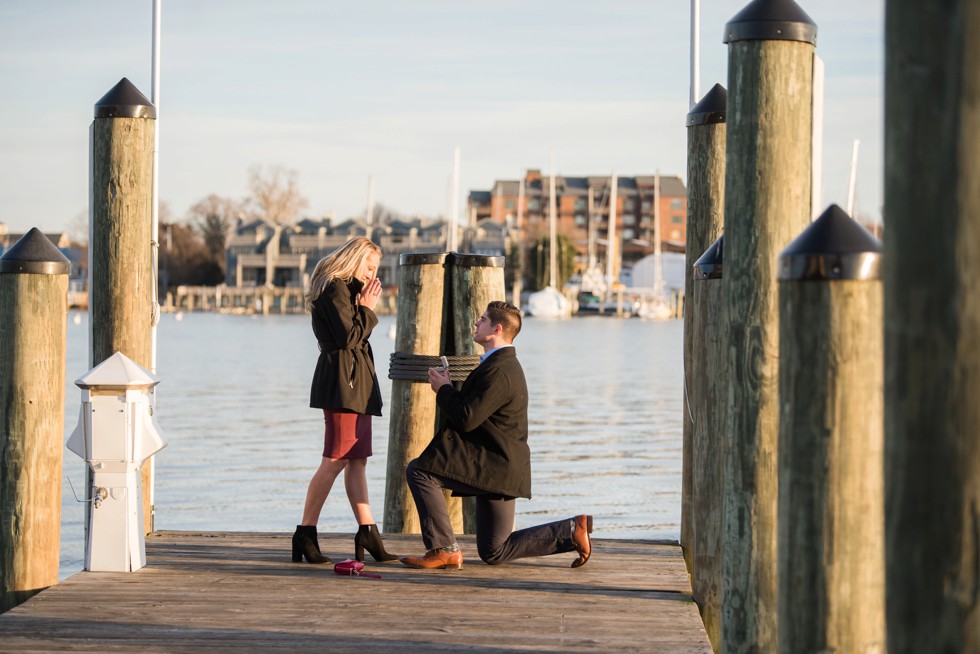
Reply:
x=370, y=293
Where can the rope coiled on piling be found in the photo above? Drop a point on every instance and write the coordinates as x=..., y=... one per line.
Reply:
x=414, y=367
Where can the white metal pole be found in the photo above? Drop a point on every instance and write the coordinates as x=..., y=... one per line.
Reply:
x=816, y=197
x=695, y=51
x=155, y=224
x=852, y=183
x=155, y=203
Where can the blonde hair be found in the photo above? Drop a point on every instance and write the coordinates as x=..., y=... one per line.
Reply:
x=342, y=263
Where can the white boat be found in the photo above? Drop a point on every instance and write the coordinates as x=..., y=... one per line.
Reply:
x=549, y=301
x=656, y=305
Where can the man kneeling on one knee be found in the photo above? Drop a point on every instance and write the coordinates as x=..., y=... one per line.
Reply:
x=480, y=449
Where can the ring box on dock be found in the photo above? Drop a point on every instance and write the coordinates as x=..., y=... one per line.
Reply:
x=116, y=433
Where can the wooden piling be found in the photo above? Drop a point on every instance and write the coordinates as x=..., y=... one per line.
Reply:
x=701, y=481
x=932, y=323
x=477, y=280
x=707, y=390
x=421, y=290
x=33, y=332
x=767, y=203
x=831, y=438
x=121, y=292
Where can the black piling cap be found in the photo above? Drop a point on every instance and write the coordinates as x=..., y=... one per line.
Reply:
x=124, y=100
x=461, y=260
x=34, y=254
x=710, y=109
x=834, y=246
x=771, y=20
x=708, y=265
x=420, y=259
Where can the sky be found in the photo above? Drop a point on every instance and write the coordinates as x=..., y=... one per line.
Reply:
x=343, y=92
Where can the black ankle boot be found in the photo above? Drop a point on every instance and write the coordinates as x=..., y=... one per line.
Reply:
x=305, y=544
x=369, y=538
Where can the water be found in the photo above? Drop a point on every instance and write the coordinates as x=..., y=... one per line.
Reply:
x=605, y=425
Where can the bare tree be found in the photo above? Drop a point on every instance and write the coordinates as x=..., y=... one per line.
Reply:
x=214, y=218
x=275, y=194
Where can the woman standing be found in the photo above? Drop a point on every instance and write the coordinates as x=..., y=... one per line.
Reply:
x=343, y=293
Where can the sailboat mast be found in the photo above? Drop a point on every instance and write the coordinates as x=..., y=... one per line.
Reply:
x=553, y=246
x=852, y=182
x=658, y=273
x=611, y=237
x=369, y=211
x=454, y=211
x=591, y=251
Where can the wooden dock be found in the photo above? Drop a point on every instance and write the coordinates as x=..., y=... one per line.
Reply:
x=240, y=591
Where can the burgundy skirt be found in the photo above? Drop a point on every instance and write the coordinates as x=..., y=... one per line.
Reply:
x=346, y=435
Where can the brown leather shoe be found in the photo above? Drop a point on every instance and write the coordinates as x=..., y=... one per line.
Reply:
x=436, y=558
x=582, y=540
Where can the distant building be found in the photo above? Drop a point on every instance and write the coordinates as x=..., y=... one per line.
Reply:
x=260, y=252
x=577, y=217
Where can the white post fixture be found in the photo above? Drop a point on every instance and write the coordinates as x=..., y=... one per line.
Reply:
x=116, y=433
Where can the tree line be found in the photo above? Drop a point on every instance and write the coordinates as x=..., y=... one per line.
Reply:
x=192, y=251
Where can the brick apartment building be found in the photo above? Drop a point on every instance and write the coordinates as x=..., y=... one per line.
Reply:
x=635, y=210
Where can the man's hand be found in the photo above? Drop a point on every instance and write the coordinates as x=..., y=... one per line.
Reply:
x=438, y=378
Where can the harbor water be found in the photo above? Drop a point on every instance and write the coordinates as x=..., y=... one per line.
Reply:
x=233, y=404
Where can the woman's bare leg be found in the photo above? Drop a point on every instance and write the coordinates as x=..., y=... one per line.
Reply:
x=355, y=481
x=319, y=488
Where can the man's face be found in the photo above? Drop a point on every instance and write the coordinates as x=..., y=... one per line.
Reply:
x=483, y=330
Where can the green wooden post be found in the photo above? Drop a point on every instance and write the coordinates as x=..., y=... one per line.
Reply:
x=932, y=326
x=831, y=440
x=701, y=481
x=708, y=441
x=121, y=293
x=477, y=280
x=419, y=331
x=767, y=203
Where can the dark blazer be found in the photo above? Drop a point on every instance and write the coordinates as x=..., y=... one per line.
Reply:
x=482, y=436
x=344, y=377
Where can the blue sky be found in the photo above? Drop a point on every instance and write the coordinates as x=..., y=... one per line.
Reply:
x=339, y=92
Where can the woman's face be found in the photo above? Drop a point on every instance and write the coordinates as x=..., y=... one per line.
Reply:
x=368, y=269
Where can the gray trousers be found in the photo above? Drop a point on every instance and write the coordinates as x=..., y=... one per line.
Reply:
x=495, y=541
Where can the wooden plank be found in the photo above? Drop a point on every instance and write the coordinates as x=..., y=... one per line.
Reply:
x=236, y=591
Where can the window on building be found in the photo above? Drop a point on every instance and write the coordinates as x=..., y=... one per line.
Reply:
x=580, y=220
x=534, y=204
x=629, y=219
x=629, y=204
x=510, y=204
x=646, y=206
x=677, y=219
x=580, y=204
x=677, y=203
x=629, y=233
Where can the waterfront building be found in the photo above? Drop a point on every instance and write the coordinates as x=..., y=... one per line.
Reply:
x=577, y=219
x=260, y=252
